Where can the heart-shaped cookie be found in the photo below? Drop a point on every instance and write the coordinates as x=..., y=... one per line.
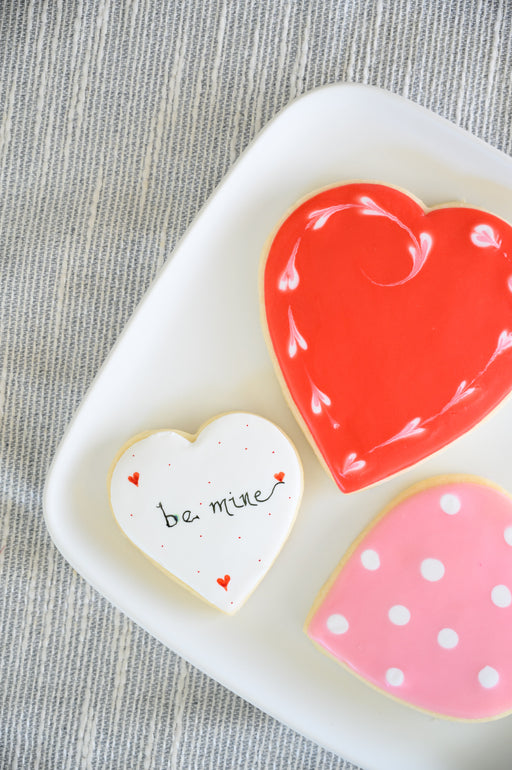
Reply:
x=212, y=510
x=390, y=325
x=421, y=605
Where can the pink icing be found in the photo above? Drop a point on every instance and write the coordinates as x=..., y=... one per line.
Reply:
x=422, y=607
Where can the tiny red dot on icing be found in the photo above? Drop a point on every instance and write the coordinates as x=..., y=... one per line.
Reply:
x=273, y=452
x=259, y=559
x=198, y=571
x=270, y=514
x=239, y=537
x=200, y=503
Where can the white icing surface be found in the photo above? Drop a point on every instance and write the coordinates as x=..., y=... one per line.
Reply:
x=447, y=638
x=432, y=569
x=488, y=677
x=370, y=559
x=232, y=458
x=395, y=677
x=450, y=504
x=399, y=615
x=337, y=624
x=501, y=596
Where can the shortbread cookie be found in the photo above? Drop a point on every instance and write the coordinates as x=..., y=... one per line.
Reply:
x=421, y=605
x=390, y=325
x=213, y=510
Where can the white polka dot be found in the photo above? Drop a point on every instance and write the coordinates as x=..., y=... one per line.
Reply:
x=508, y=535
x=395, y=677
x=450, y=504
x=501, y=596
x=488, y=677
x=447, y=638
x=337, y=624
x=370, y=559
x=399, y=615
x=432, y=569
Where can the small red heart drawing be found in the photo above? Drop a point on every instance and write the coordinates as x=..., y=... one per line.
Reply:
x=134, y=479
x=224, y=582
x=279, y=476
x=390, y=325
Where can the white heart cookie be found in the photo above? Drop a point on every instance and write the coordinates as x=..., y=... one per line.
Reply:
x=213, y=510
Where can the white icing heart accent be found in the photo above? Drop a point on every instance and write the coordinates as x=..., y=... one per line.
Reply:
x=290, y=278
x=296, y=337
x=352, y=464
x=485, y=236
x=213, y=510
x=318, y=398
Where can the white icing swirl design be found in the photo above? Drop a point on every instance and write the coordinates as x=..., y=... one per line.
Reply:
x=412, y=428
x=419, y=249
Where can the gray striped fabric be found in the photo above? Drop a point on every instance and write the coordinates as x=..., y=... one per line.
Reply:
x=117, y=120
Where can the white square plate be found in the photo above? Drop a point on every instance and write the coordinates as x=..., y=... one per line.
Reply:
x=195, y=348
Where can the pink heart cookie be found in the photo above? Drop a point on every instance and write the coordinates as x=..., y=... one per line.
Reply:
x=390, y=325
x=421, y=605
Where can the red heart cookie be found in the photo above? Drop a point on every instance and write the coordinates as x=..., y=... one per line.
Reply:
x=390, y=325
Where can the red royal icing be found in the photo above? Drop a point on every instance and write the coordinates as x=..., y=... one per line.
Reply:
x=279, y=476
x=134, y=479
x=391, y=326
x=224, y=582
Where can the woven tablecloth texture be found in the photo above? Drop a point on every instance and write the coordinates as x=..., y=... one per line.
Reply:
x=118, y=118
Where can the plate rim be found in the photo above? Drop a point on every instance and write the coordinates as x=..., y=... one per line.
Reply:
x=170, y=264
